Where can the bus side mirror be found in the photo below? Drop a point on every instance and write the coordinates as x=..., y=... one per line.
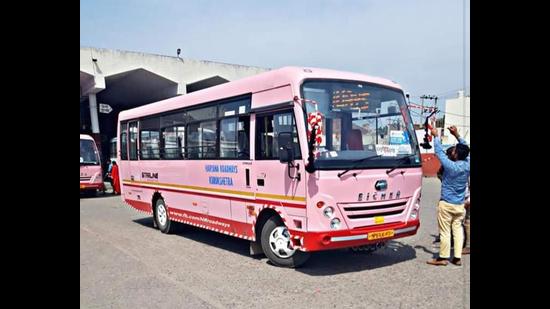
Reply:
x=286, y=152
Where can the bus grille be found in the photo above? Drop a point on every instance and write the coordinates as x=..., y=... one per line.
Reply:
x=85, y=178
x=373, y=209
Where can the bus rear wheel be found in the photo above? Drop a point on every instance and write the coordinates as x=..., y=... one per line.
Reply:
x=276, y=244
x=161, y=217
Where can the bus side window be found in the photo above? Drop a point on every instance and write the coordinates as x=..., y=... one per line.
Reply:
x=168, y=143
x=150, y=139
x=173, y=143
x=264, y=138
x=123, y=142
x=243, y=143
x=180, y=135
x=269, y=127
x=133, y=128
x=202, y=133
x=193, y=141
x=173, y=136
x=208, y=139
x=234, y=142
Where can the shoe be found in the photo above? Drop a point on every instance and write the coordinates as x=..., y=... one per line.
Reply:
x=456, y=261
x=466, y=250
x=438, y=262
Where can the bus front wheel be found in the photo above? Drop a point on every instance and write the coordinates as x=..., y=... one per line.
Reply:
x=276, y=244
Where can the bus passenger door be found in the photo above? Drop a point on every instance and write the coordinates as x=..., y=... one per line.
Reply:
x=133, y=175
x=122, y=157
x=235, y=145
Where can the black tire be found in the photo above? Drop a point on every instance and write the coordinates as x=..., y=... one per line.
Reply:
x=297, y=259
x=160, y=212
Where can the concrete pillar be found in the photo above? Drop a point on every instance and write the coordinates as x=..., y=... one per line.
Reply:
x=93, y=113
x=95, y=123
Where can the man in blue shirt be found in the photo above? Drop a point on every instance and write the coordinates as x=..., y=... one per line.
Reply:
x=108, y=177
x=456, y=171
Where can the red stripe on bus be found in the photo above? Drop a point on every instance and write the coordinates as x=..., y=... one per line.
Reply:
x=231, y=226
x=143, y=206
x=221, y=225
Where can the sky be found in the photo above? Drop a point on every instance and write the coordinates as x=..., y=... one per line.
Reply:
x=419, y=44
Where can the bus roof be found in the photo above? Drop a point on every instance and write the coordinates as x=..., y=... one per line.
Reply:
x=85, y=136
x=263, y=81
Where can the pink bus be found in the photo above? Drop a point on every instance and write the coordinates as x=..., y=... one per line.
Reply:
x=295, y=160
x=91, y=176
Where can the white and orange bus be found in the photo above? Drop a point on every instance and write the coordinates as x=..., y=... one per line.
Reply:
x=295, y=160
x=91, y=176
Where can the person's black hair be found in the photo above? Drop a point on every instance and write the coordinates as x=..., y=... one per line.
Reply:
x=450, y=151
x=114, y=162
x=462, y=151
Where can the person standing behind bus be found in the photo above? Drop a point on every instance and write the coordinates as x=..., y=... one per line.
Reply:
x=466, y=247
x=110, y=167
x=115, y=179
x=108, y=177
x=451, y=210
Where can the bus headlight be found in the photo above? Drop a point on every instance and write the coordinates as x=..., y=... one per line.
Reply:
x=414, y=214
x=335, y=223
x=328, y=212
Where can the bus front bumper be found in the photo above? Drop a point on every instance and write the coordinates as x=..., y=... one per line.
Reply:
x=327, y=240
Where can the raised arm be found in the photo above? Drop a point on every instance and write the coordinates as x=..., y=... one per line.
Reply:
x=454, y=132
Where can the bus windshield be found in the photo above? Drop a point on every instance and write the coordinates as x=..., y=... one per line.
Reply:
x=88, y=153
x=359, y=120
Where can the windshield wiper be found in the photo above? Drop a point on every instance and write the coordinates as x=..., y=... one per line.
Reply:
x=357, y=164
x=401, y=162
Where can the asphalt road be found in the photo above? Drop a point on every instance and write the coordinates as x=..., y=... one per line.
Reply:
x=126, y=263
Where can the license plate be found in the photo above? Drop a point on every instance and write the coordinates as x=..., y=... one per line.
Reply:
x=382, y=234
